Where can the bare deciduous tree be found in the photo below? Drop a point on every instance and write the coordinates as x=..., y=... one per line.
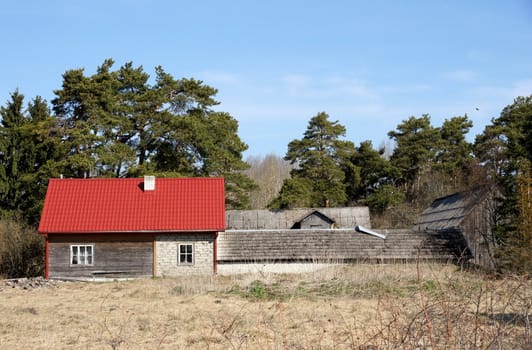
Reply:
x=268, y=172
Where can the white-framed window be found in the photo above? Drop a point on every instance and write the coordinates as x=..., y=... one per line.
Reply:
x=185, y=254
x=81, y=254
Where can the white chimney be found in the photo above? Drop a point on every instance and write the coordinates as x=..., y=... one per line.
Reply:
x=149, y=183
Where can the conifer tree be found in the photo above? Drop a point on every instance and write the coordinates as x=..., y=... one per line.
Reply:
x=505, y=148
x=321, y=158
x=117, y=124
x=29, y=150
x=416, y=144
x=13, y=151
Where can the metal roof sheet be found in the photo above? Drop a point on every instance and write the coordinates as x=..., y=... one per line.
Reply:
x=122, y=205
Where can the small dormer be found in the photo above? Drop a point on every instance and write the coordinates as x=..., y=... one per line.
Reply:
x=314, y=220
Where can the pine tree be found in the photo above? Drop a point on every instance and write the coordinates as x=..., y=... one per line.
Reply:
x=321, y=160
x=116, y=124
x=29, y=151
x=14, y=151
x=374, y=170
x=416, y=145
x=454, y=152
x=376, y=188
x=509, y=146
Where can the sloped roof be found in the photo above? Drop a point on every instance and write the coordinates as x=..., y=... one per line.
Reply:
x=450, y=211
x=314, y=212
x=122, y=205
x=263, y=219
x=339, y=245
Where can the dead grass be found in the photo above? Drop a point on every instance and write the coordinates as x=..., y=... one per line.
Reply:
x=345, y=307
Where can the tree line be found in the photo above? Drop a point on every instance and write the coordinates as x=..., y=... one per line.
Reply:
x=427, y=162
x=329, y=170
x=114, y=123
x=120, y=122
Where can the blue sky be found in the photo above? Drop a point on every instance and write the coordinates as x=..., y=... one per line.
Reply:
x=276, y=64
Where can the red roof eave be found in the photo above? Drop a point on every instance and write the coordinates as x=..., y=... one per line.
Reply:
x=131, y=232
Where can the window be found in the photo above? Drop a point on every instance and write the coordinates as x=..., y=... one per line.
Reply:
x=185, y=254
x=81, y=254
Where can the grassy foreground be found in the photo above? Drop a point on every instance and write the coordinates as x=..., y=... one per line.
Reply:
x=404, y=306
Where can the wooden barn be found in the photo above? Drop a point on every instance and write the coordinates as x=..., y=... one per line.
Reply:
x=132, y=227
x=471, y=213
x=302, y=250
x=299, y=240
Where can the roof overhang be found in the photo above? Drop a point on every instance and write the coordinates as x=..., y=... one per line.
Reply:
x=132, y=232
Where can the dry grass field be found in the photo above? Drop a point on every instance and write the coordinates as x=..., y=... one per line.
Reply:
x=405, y=306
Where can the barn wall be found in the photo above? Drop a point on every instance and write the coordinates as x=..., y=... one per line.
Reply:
x=477, y=226
x=315, y=221
x=167, y=253
x=114, y=256
x=473, y=213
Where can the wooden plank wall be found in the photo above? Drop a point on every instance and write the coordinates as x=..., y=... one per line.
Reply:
x=477, y=226
x=114, y=256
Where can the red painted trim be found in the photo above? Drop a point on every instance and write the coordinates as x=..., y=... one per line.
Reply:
x=215, y=253
x=46, y=257
x=139, y=232
x=154, y=262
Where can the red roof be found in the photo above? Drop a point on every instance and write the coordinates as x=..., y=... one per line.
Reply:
x=122, y=205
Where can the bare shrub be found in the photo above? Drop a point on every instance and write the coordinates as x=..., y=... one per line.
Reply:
x=21, y=250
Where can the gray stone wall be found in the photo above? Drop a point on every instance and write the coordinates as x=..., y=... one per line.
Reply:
x=166, y=250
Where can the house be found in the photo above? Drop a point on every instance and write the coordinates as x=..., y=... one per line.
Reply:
x=472, y=214
x=132, y=227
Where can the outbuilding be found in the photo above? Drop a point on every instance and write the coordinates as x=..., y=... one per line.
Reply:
x=471, y=214
x=134, y=227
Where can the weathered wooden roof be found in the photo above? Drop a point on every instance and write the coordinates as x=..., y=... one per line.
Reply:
x=450, y=211
x=338, y=245
x=315, y=212
x=348, y=217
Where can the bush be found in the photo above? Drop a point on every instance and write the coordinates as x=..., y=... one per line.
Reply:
x=21, y=250
x=257, y=290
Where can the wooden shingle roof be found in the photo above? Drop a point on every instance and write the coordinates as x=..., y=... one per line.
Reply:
x=450, y=211
x=266, y=246
x=262, y=219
